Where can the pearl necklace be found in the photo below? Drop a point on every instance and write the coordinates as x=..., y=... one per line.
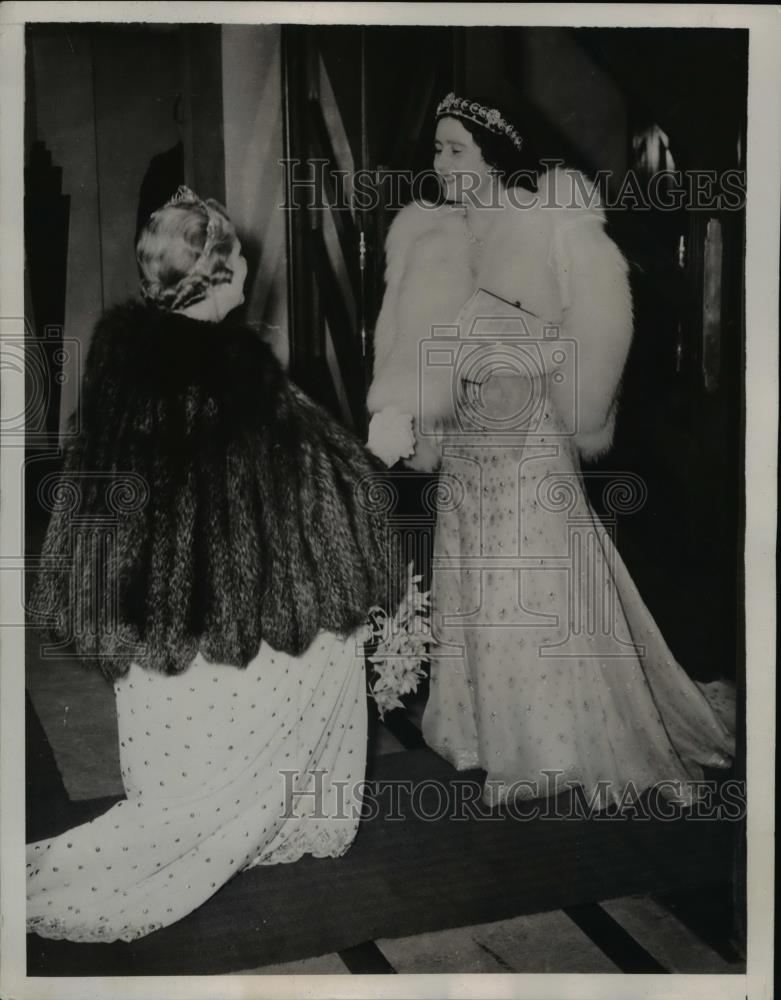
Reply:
x=475, y=241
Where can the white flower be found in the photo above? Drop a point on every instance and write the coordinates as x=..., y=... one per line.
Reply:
x=401, y=646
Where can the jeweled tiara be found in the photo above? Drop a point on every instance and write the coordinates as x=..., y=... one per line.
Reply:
x=490, y=118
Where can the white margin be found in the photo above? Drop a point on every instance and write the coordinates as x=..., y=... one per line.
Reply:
x=762, y=267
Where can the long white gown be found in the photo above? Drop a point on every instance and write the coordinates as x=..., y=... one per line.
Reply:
x=547, y=667
x=214, y=763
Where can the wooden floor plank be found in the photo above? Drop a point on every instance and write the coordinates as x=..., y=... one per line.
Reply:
x=322, y=965
x=538, y=943
x=665, y=937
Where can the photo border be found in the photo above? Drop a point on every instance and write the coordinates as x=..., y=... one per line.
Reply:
x=763, y=160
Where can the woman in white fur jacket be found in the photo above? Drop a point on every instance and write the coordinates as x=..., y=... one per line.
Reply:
x=547, y=669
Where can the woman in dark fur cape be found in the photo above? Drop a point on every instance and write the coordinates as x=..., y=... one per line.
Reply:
x=214, y=551
x=235, y=509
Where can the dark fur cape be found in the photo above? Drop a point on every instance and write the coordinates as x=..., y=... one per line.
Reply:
x=206, y=504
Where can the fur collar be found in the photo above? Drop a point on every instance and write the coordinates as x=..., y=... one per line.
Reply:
x=547, y=249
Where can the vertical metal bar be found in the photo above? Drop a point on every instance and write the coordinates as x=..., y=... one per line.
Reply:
x=292, y=305
x=364, y=105
x=96, y=141
x=185, y=84
x=362, y=224
x=301, y=280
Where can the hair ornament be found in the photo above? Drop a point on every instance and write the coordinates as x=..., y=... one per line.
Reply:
x=186, y=196
x=488, y=118
x=202, y=272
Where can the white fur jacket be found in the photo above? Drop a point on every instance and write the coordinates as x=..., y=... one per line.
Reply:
x=560, y=264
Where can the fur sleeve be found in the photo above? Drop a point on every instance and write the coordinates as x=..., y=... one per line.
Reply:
x=405, y=228
x=428, y=279
x=597, y=306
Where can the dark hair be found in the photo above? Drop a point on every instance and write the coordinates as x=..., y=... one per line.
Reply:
x=498, y=150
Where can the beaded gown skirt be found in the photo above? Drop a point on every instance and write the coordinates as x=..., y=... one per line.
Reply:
x=224, y=769
x=547, y=668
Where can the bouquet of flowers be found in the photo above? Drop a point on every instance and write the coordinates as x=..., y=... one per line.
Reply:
x=400, y=645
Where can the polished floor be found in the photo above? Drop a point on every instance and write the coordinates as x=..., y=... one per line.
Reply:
x=686, y=932
x=543, y=942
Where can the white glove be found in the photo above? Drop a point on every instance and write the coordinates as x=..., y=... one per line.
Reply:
x=390, y=435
